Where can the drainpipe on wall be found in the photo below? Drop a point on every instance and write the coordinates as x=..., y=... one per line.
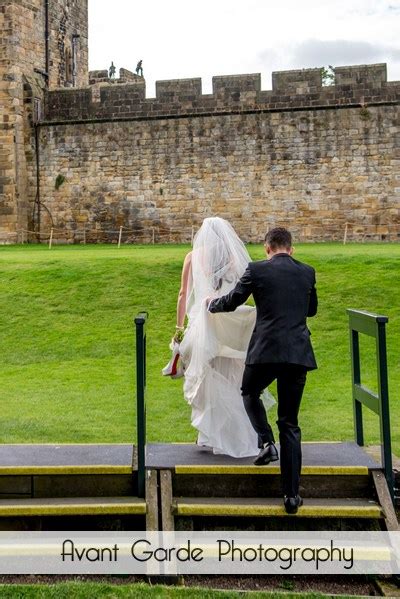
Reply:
x=47, y=39
x=36, y=206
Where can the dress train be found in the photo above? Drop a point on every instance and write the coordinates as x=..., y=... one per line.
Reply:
x=213, y=352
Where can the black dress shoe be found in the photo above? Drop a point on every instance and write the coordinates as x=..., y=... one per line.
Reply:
x=292, y=504
x=267, y=454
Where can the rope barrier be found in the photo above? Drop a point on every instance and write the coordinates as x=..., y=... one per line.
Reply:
x=33, y=232
x=375, y=231
x=160, y=234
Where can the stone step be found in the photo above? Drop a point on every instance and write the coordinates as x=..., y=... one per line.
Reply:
x=273, y=507
x=72, y=506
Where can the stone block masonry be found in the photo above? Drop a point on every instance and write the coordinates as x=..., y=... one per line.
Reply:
x=23, y=79
x=301, y=155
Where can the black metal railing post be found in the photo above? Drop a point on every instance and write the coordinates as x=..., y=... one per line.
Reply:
x=383, y=385
x=374, y=326
x=356, y=377
x=140, y=323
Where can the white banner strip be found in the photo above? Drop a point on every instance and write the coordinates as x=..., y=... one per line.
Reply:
x=222, y=552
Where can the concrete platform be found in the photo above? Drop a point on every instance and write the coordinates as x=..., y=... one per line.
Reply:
x=68, y=459
x=118, y=458
x=328, y=455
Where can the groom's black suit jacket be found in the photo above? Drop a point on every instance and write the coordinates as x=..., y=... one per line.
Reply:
x=284, y=293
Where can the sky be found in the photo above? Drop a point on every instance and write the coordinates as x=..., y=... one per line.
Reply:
x=177, y=39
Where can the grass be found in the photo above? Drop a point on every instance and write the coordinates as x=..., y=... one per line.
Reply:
x=74, y=590
x=67, y=339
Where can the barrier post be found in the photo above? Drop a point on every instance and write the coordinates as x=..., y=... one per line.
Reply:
x=345, y=233
x=51, y=238
x=119, y=237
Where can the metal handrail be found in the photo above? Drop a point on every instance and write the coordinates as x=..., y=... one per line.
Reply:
x=372, y=325
x=140, y=322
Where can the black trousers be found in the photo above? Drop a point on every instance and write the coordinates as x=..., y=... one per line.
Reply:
x=291, y=379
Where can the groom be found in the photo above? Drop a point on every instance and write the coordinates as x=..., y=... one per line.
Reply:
x=280, y=348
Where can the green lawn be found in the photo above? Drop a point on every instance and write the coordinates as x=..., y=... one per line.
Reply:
x=73, y=590
x=67, y=339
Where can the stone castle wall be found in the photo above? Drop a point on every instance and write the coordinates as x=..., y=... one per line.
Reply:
x=302, y=155
x=22, y=88
x=291, y=90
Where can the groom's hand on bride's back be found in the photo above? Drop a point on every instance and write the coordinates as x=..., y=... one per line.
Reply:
x=237, y=296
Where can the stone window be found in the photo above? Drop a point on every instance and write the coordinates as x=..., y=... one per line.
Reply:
x=68, y=66
x=75, y=47
x=37, y=110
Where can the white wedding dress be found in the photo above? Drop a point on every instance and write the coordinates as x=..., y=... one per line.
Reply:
x=215, y=345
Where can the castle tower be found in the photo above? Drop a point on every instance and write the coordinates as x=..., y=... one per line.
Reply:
x=43, y=45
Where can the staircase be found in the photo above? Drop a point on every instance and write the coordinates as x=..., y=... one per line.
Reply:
x=78, y=487
x=95, y=487
x=342, y=487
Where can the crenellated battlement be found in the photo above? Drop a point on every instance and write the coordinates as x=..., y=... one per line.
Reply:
x=297, y=89
x=178, y=89
x=236, y=83
x=298, y=82
x=361, y=75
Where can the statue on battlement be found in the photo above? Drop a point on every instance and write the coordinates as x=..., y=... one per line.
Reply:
x=139, y=68
x=112, y=70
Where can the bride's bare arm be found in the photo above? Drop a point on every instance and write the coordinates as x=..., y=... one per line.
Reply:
x=181, y=306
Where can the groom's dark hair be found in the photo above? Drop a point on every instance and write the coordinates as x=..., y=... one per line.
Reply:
x=279, y=238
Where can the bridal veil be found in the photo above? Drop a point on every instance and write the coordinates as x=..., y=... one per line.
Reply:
x=215, y=345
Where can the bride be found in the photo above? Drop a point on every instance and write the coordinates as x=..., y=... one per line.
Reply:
x=214, y=346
